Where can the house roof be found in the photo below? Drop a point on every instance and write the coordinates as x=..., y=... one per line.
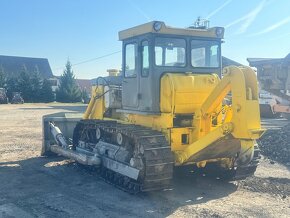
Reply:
x=228, y=62
x=84, y=84
x=13, y=65
x=262, y=61
x=287, y=58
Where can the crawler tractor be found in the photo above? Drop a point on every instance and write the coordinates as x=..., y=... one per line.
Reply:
x=165, y=110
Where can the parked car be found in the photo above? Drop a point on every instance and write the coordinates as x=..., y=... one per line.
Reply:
x=17, y=99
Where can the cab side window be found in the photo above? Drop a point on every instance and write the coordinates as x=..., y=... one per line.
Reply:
x=130, y=60
x=145, y=59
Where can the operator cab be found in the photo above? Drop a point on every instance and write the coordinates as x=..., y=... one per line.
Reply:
x=153, y=49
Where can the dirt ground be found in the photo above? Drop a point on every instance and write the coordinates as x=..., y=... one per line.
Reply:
x=35, y=186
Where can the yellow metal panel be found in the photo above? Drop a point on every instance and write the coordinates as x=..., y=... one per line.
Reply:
x=160, y=122
x=148, y=28
x=96, y=107
x=216, y=97
x=185, y=93
x=246, y=111
x=183, y=156
x=175, y=138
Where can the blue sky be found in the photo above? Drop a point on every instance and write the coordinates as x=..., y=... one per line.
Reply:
x=86, y=29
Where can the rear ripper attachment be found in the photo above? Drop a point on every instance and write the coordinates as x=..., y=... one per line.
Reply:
x=133, y=158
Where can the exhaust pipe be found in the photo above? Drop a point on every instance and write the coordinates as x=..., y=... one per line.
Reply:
x=81, y=158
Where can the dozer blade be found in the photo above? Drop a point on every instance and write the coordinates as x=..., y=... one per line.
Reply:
x=65, y=121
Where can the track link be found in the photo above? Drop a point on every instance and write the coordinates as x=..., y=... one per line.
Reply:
x=147, y=145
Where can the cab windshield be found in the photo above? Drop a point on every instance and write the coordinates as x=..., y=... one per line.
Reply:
x=170, y=52
x=205, y=53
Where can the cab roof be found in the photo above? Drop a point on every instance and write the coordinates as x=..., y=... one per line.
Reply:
x=159, y=27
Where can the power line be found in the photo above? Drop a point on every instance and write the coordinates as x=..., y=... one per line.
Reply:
x=93, y=59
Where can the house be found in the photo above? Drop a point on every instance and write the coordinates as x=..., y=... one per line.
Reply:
x=54, y=82
x=13, y=65
x=259, y=62
x=83, y=84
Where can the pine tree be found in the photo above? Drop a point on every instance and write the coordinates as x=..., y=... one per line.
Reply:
x=46, y=93
x=36, y=85
x=25, y=86
x=12, y=86
x=2, y=77
x=68, y=90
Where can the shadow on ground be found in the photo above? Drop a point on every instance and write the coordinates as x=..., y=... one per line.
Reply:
x=61, y=188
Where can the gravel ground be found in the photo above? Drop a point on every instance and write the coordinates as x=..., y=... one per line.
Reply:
x=275, y=144
x=35, y=186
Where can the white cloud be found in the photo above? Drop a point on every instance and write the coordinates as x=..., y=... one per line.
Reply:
x=235, y=22
x=218, y=9
x=251, y=17
x=273, y=27
x=133, y=4
x=248, y=18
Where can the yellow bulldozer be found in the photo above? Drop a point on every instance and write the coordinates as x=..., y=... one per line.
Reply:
x=172, y=105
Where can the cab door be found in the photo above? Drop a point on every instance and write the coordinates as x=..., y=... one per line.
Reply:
x=130, y=84
x=145, y=82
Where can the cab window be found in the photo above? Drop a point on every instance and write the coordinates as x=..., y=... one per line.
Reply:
x=130, y=60
x=145, y=59
x=205, y=53
x=170, y=52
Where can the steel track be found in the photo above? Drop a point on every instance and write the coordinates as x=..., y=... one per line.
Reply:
x=149, y=145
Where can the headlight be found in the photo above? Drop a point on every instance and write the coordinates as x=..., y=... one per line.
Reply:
x=219, y=31
x=157, y=26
